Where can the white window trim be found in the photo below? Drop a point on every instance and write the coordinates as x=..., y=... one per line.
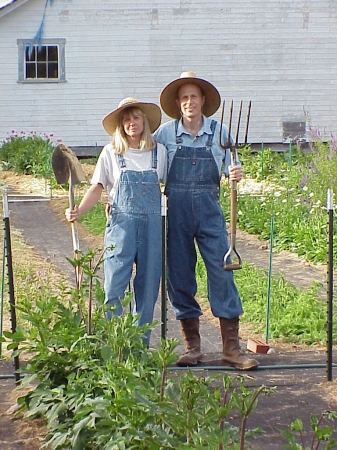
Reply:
x=22, y=43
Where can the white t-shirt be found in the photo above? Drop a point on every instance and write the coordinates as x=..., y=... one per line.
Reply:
x=107, y=171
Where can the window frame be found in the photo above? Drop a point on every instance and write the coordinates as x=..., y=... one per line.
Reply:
x=23, y=43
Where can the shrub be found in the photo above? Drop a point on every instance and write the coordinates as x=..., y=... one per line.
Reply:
x=27, y=154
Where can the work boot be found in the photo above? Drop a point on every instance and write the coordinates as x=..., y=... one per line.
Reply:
x=232, y=354
x=190, y=332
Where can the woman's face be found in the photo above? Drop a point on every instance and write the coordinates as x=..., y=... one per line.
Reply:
x=133, y=123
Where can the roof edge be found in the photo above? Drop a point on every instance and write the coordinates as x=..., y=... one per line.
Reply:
x=11, y=6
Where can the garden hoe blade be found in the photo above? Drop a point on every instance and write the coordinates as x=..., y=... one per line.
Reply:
x=67, y=169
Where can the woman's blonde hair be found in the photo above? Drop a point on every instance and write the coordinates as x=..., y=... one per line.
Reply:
x=119, y=140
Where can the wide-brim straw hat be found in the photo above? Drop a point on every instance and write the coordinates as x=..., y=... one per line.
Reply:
x=169, y=94
x=152, y=111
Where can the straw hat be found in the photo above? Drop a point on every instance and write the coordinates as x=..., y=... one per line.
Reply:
x=151, y=110
x=169, y=94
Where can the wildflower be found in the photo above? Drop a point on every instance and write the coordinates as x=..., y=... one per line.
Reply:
x=59, y=139
x=240, y=213
x=284, y=200
x=311, y=194
x=277, y=194
x=51, y=134
x=7, y=138
x=13, y=131
x=305, y=188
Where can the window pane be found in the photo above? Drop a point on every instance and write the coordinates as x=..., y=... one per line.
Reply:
x=41, y=70
x=30, y=70
x=53, y=70
x=52, y=53
x=30, y=53
x=42, y=54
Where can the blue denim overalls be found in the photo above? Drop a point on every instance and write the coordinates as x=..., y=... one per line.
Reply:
x=194, y=214
x=134, y=229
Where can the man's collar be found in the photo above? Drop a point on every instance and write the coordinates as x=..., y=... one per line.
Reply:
x=205, y=129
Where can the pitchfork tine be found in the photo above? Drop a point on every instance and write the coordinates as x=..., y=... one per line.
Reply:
x=230, y=124
x=247, y=121
x=238, y=126
x=222, y=119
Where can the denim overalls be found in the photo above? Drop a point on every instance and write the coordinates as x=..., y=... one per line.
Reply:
x=134, y=229
x=194, y=214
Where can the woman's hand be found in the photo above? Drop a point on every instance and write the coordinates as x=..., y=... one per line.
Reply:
x=72, y=214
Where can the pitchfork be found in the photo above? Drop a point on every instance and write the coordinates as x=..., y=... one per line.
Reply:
x=232, y=147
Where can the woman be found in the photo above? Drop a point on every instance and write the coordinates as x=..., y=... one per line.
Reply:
x=130, y=168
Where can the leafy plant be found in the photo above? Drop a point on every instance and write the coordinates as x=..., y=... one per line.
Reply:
x=107, y=390
x=28, y=154
x=321, y=433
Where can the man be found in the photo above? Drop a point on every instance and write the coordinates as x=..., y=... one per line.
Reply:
x=196, y=162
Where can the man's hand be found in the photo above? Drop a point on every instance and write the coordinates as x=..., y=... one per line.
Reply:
x=235, y=173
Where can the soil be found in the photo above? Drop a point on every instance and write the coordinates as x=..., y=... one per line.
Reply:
x=300, y=391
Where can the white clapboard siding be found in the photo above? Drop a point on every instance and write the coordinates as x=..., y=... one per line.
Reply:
x=281, y=55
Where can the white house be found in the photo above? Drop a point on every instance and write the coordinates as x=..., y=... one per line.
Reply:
x=281, y=55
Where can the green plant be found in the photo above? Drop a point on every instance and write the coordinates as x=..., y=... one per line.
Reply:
x=28, y=154
x=321, y=433
x=294, y=195
x=106, y=389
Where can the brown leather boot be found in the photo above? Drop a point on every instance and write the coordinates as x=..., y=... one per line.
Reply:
x=190, y=332
x=232, y=353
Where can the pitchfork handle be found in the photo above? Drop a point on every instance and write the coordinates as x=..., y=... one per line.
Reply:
x=232, y=249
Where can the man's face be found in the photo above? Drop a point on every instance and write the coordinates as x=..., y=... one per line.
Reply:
x=190, y=100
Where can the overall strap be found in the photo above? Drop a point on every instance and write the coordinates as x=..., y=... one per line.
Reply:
x=211, y=136
x=121, y=160
x=179, y=139
x=154, y=157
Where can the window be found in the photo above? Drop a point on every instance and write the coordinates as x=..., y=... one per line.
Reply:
x=41, y=63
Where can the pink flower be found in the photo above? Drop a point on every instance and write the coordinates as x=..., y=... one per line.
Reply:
x=59, y=139
x=51, y=134
x=13, y=131
x=7, y=138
